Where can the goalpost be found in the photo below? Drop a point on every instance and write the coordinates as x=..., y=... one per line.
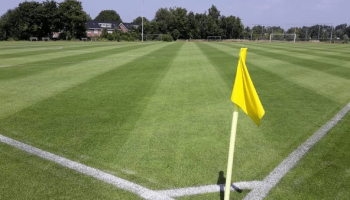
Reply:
x=282, y=37
x=153, y=37
x=214, y=38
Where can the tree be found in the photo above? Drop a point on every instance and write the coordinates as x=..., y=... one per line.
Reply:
x=193, y=26
x=230, y=27
x=26, y=20
x=179, y=22
x=202, y=23
x=162, y=19
x=104, y=33
x=138, y=20
x=339, y=30
x=73, y=18
x=108, y=15
x=116, y=34
x=50, y=20
x=88, y=17
x=345, y=38
x=175, y=34
x=6, y=25
x=214, y=13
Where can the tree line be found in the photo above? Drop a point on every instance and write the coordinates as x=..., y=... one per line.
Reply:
x=43, y=19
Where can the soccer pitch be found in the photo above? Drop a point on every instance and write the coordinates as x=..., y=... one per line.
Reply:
x=159, y=115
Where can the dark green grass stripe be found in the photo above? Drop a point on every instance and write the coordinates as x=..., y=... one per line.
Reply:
x=46, y=51
x=344, y=56
x=293, y=113
x=219, y=60
x=333, y=69
x=91, y=115
x=31, y=68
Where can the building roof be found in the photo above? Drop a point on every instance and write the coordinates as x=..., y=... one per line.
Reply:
x=102, y=24
x=129, y=25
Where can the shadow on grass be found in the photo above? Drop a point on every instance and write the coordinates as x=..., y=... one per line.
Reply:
x=221, y=182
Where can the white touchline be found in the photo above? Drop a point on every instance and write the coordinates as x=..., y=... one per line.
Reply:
x=287, y=164
x=84, y=169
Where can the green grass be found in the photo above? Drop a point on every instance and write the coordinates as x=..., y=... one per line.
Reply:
x=25, y=176
x=324, y=172
x=159, y=114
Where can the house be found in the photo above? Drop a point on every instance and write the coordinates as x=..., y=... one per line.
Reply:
x=94, y=28
x=126, y=27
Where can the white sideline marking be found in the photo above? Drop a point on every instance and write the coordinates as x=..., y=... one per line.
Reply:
x=208, y=189
x=287, y=164
x=84, y=169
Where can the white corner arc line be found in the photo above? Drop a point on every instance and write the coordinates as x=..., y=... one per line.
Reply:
x=84, y=169
x=287, y=164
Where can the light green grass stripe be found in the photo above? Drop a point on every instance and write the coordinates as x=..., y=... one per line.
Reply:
x=332, y=58
x=328, y=85
x=20, y=93
x=37, y=50
x=57, y=52
x=26, y=176
x=170, y=137
x=327, y=52
x=336, y=48
x=89, y=171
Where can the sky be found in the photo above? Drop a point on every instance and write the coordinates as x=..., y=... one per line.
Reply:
x=284, y=13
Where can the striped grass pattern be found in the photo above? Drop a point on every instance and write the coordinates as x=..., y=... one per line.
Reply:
x=158, y=114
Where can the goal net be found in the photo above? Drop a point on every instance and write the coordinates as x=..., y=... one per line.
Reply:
x=281, y=37
x=320, y=32
x=153, y=37
x=214, y=38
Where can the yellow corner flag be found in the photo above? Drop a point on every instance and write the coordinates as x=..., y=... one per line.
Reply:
x=244, y=94
x=245, y=97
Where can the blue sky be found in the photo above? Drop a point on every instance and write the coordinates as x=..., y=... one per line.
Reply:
x=264, y=12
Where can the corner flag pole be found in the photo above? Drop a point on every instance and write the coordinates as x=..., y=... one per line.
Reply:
x=231, y=152
x=244, y=96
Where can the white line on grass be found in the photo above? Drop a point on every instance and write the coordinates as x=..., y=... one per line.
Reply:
x=96, y=173
x=209, y=189
x=259, y=188
x=287, y=164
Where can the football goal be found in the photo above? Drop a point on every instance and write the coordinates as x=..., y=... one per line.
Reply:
x=281, y=37
x=153, y=37
x=214, y=39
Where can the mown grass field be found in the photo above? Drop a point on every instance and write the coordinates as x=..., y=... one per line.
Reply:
x=159, y=114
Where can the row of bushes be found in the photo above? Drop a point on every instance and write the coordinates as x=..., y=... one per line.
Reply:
x=128, y=36
x=105, y=36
